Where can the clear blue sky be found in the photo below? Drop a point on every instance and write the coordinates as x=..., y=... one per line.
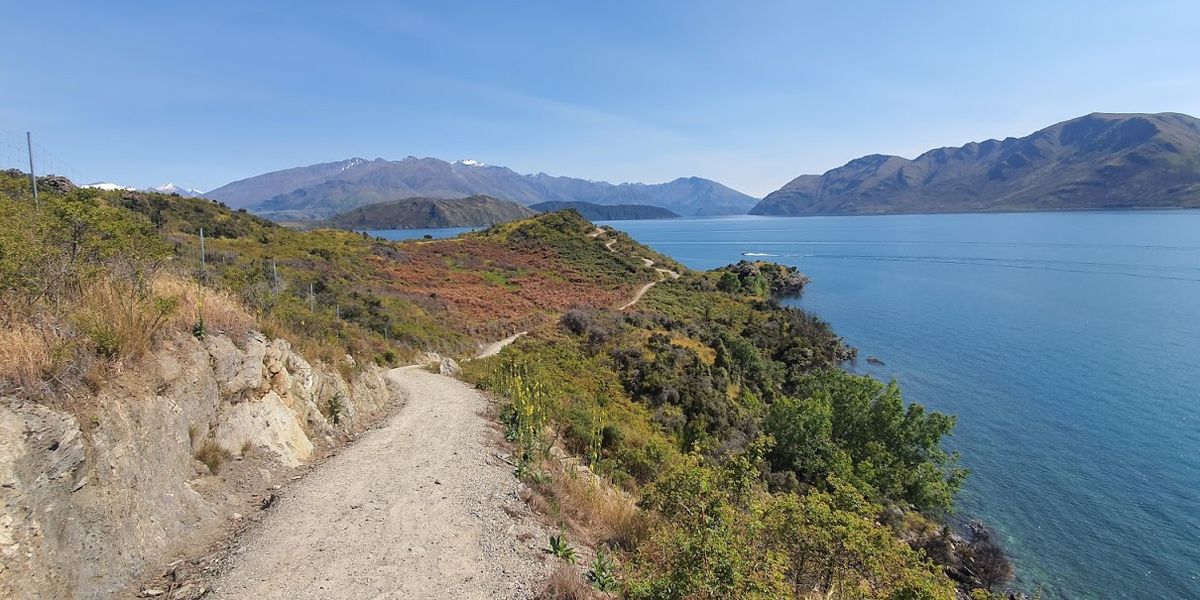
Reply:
x=748, y=93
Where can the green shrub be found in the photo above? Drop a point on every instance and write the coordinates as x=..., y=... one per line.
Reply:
x=601, y=575
x=335, y=406
x=561, y=548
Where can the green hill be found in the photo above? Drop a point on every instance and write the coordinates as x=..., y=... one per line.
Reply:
x=760, y=466
x=429, y=213
x=608, y=212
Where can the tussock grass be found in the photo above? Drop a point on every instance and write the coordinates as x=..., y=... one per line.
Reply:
x=594, y=511
x=120, y=317
x=221, y=311
x=27, y=354
x=212, y=455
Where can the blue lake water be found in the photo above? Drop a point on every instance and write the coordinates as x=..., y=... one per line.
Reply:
x=1068, y=344
x=416, y=234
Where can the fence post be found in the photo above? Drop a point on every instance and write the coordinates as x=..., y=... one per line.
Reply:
x=37, y=204
x=203, y=259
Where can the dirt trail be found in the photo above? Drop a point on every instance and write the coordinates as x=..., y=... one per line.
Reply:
x=645, y=288
x=420, y=508
x=494, y=348
x=645, y=261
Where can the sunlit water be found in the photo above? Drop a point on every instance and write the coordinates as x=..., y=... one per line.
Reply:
x=1068, y=344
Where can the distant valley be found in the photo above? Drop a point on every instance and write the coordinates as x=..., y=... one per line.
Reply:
x=1099, y=161
x=608, y=212
x=323, y=190
x=429, y=213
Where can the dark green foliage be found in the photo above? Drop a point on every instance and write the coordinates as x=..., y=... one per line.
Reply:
x=859, y=430
x=986, y=561
x=740, y=396
x=336, y=407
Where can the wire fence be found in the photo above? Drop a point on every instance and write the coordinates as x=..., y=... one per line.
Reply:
x=14, y=154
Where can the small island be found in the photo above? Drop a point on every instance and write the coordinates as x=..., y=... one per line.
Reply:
x=608, y=212
x=428, y=213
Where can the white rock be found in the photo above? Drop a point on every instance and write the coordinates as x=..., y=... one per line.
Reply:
x=266, y=424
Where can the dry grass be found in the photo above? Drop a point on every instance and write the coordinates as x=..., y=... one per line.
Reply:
x=121, y=319
x=26, y=355
x=212, y=455
x=51, y=350
x=594, y=511
x=40, y=359
x=707, y=355
x=221, y=311
x=567, y=583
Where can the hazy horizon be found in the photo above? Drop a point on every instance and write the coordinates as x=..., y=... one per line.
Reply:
x=199, y=96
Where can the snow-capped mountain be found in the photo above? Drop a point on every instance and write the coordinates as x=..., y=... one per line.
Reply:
x=107, y=186
x=166, y=188
x=170, y=188
x=323, y=190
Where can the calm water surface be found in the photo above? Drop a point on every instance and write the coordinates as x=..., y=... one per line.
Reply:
x=1068, y=344
x=416, y=234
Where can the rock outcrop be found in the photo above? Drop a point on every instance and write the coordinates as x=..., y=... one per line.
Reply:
x=90, y=501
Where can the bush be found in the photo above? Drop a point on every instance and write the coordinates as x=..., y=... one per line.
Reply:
x=858, y=429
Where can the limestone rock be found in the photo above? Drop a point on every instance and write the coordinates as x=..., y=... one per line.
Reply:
x=112, y=503
x=264, y=424
x=449, y=367
x=238, y=372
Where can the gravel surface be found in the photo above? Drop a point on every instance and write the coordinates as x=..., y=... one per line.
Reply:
x=420, y=508
x=494, y=348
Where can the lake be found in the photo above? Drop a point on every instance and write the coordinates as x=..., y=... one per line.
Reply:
x=1068, y=344
x=416, y=234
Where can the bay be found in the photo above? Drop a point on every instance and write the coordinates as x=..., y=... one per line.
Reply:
x=1068, y=345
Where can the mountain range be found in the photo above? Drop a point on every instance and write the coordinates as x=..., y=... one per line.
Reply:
x=166, y=188
x=1098, y=161
x=430, y=213
x=323, y=190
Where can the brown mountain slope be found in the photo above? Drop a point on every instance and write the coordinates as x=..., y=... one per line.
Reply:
x=1100, y=161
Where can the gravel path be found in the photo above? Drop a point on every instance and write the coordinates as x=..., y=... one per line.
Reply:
x=494, y=348
x=645, y=288
x=420, y=508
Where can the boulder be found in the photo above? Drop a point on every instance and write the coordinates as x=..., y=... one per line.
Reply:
x=265, y=424
x=238, y=372
x=449, y=367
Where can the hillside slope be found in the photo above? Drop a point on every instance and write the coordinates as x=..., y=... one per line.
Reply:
x=144, y=418
x=319, y=191
x=614, y=212
x=430, y=213
x=1099, y=161
x=150, y=402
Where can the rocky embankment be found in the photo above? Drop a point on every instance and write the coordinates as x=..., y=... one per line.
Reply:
x=162, y=459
